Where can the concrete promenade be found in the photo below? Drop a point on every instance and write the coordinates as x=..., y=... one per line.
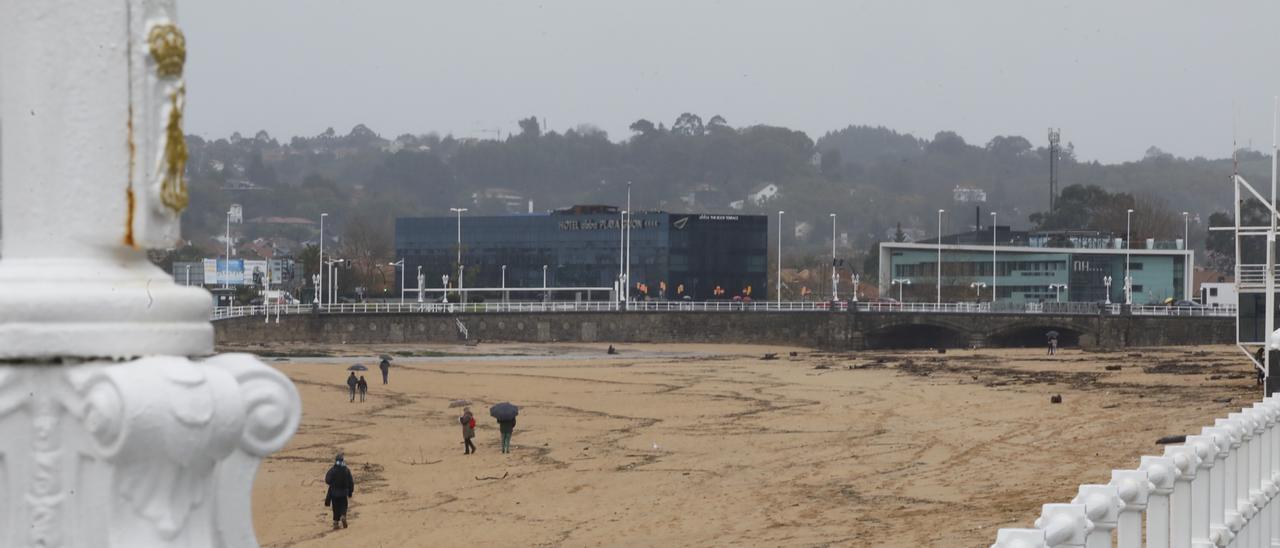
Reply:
x=833, y=330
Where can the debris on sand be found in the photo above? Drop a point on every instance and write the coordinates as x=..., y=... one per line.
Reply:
x=822, y=366
x=1222, y=400
x=770, y=356
x=459, y=403
x=1181, y=438
x=1112, y=368
x=1056, y=398
x=611, y=350
x=482, y=478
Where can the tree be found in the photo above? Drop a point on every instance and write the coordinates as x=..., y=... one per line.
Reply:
x=898, y=235
x=688, y=124
x=831, y=163
x=529, y=127
x=644, y=127
x=1008, y=146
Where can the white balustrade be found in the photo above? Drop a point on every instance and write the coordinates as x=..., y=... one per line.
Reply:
x=1218, y=489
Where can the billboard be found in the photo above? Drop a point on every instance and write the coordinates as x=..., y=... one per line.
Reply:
x=236, y=272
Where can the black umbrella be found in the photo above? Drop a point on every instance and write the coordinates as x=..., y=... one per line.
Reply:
x=357, y=367
x=504, y=411
x=386, y=357
x=1052, y=334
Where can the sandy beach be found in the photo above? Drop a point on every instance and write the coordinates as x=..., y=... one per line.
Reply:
x=704, y=445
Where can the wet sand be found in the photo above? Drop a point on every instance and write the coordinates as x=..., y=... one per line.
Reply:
x=705, y=445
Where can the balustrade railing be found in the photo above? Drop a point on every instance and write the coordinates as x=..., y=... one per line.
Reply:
x=1075, y=308
x=1217, y=489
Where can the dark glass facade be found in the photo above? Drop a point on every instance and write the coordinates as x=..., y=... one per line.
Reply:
x=580, y=248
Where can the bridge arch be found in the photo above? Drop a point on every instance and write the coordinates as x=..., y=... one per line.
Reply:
x=1033, y=332
x=917, y=334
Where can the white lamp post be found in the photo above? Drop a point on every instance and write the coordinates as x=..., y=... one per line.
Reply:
x=320, y=264
x=504, y=283
x=1057, y=291
x=1186, y=231
x=779, y=285
x=622, y=255
x=226, y=265
x=835, y=277
x=1128, y=244
x=333, y=278
x=459, y=211
x=900, y=283
x=188, y=275
x=400, y=264
x=444, y=281
x=856, y=279
x=630, y=213
x=122, y=427
x=993, y=256
x=544, y=283
x=977, y=286
x=940, y=212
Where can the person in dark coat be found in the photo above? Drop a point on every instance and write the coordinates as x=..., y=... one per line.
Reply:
x=468, y=423
x=385, y=366
x=506, y=427
x=342, y=486
x=352, y=381
x=363, y=386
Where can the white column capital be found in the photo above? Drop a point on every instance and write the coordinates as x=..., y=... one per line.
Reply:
x=1064, y=525
x=1102, y=505
x=1019, y=538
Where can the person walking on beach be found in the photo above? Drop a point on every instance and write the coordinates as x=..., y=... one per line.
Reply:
x=506, y=427
x=468, y=430
x=352, y=381
x=342, y=486
x=385, y=366
x=363, y=386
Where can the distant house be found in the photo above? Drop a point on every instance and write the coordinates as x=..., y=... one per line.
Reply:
x=763, y=193
x=803, y=229
x=511, y=200
x=236, y=213
x=737, y=205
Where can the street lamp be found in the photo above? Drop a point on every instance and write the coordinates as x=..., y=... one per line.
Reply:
x=622, y=255
x=400, y=263
x=459, y=211
x=993, y=256
x=227, y=263
x=779, y=297
x=940, y=212
x=544, y=283
x=1128, y=244
x=188, y=275
x=504, y=283
x=444, y=280
x=1057, y=291
x=856, y=278
x=320, y=261
x=900, y=283
x=1106, y=281
x=333, y=278
x=835, y=280
x=1186, y=231
x=977, y=286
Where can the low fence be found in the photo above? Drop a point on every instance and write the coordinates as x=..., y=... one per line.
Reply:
x=223, y=312
x=1215, y=490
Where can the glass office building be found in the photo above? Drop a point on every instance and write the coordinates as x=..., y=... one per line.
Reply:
x=691, y=254
x=1029, y=273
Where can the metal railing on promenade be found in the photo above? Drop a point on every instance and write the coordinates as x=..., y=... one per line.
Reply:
x=224, y=312
x=1217, y=489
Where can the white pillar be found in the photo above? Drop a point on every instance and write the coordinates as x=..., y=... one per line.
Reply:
x=1187, y=462
x=1232, y=518
x=1019, y=538
x=1064, y=525
x=1134, y=489
x=1102, y=506
x=1219, y=535
x=1162, y=472
x=102, y=446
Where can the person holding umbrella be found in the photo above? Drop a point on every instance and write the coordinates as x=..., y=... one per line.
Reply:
x=505, y=413
x=385, y=366
x=468, y=431
x=1053, y=342
x=341, y=487
x=352, y=381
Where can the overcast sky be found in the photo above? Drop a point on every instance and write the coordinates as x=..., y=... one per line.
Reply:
x=1116, y=77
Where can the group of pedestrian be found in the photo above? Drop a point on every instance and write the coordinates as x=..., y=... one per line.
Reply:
x=341, y=483
x=357, y=385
